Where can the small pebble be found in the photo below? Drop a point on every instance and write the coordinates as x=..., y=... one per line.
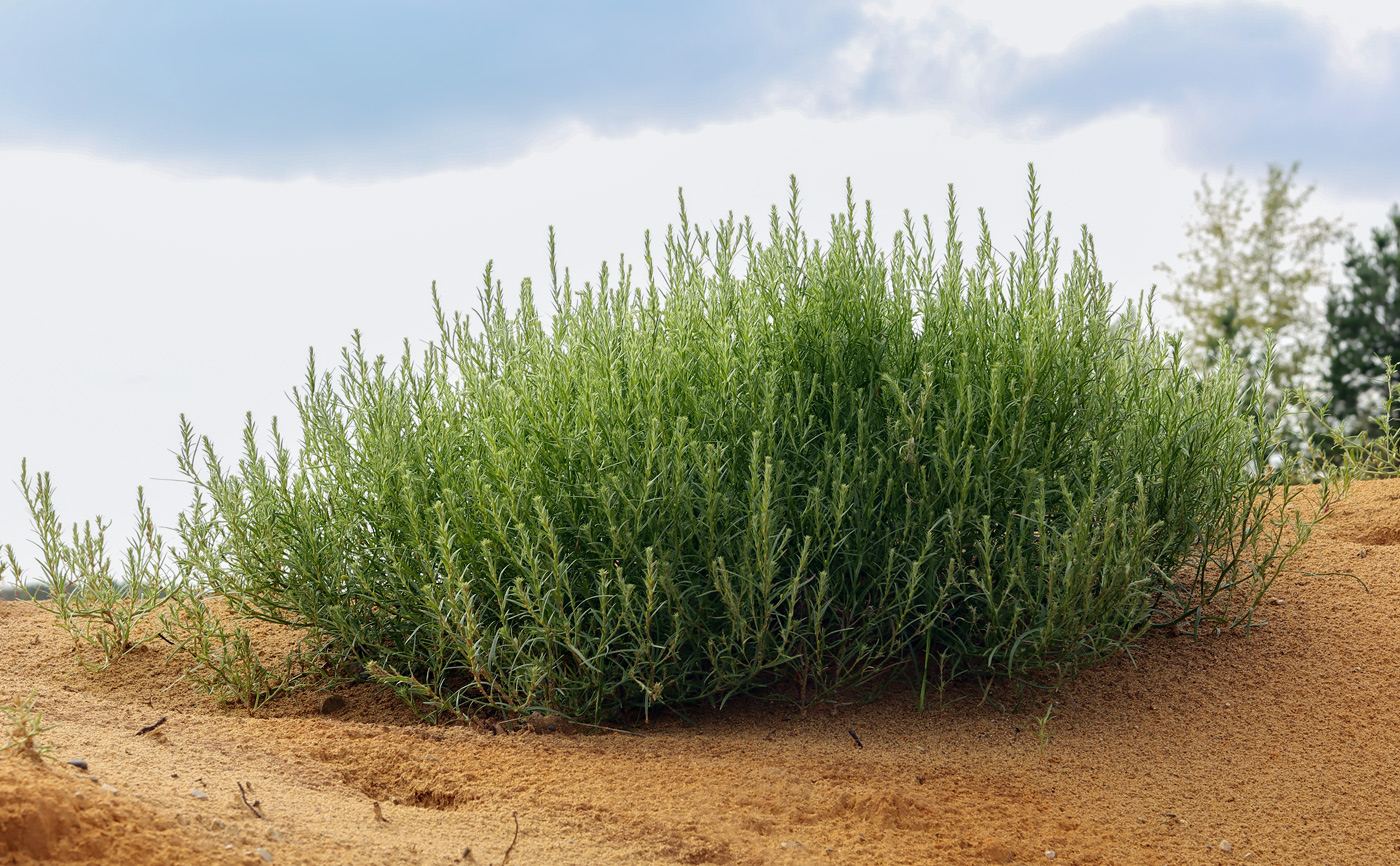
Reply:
x=109, y=789
x=273, y=835
x=265, y=854
x=80, y=764
x=1225, y=846
x=1049, y=855
x=198, y=794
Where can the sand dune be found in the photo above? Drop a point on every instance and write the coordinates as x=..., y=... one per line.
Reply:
x=1280, y=748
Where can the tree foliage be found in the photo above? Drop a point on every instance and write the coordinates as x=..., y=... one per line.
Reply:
x=1247, y=273
x=1363, y=321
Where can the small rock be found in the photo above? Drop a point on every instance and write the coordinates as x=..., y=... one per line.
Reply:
x=332, y=704
x=109, y=789
x=77, y=795
x=1225, y=846
x=1049, y=855
x=265, y=854
x=79, y=763
x=218, y=824
x=198, y=794
x=273, y=835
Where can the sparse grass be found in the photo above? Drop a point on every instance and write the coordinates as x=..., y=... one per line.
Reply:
x=222, y=659
x=1373, y=453
x=764, y=461
x=102, y=613
x=26, y=724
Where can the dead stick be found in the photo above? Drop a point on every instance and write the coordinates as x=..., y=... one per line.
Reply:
x=253, y=806
x=859, y=744
x=504, y=722
x=511, y=846
x=613, y=730
x=151, y=727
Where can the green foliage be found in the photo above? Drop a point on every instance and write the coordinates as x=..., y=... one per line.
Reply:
x=1373, y=450
x=223, y=661
x=1043, y=734
x=1246, y=274
x=26, y=724
x=828, y=466
x=105, y=615
x=100, y=611
x=1363, y=317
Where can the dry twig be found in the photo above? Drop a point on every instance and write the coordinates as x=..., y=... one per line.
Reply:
x=253, y=806
x=511, y=847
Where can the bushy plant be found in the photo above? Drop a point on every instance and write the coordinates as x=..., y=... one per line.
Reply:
x=764, y=462
x=101, y=609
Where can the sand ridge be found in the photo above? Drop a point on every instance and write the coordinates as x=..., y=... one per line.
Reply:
x=1282, y=746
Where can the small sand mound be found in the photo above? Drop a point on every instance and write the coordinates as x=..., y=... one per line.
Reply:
x=1370, y=516
x=1381, y=536
x=50, y=817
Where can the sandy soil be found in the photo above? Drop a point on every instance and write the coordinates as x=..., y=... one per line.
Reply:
x=1283, y=748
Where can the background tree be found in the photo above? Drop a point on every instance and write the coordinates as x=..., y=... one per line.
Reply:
x=1249, y=270
x=1363, y=320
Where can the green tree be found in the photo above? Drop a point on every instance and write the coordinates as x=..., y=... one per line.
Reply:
x=1248, y=271
x=1363, y=321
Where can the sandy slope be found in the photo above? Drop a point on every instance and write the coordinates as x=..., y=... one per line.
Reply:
x=1286, y=746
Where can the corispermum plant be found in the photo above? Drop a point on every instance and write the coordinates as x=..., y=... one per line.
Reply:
x=102, y=609
x=26, y=724
x=765, y=462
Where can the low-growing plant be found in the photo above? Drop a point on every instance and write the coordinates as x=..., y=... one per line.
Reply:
x=1043, y=734
x=1374, y=452
x=26, y=724
x=222, y=660
x=102, y=613
x=763, y=462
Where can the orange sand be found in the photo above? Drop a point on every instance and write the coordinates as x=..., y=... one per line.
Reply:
x=1286, y=746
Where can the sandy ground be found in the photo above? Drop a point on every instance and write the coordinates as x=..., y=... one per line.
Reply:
x=1283, y=748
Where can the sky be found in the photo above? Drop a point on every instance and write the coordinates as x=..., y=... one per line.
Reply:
x=192, y=195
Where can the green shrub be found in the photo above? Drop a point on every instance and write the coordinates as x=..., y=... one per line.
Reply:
x=102, y=612
x=779, y=462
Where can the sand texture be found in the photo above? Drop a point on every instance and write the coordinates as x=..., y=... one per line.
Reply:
x=1280, y=748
